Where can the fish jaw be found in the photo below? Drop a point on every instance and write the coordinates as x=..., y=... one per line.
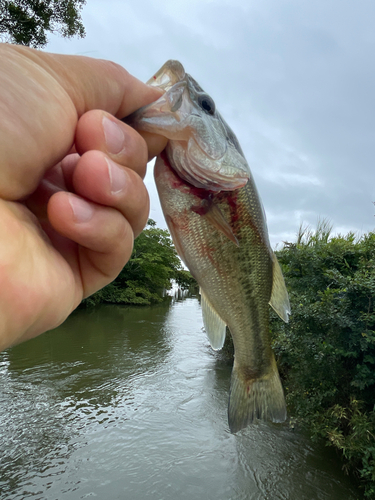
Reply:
x=202, y=148
x=170, y=73
x=169, y=116
x=197, y=148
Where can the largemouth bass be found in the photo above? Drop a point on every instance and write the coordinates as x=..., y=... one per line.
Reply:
x=216, y=219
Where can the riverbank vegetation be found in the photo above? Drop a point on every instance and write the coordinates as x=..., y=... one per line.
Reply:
x=326, y=353
x=153, y=266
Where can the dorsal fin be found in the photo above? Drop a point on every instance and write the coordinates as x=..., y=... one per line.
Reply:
x=279, y=298
x=215, y=327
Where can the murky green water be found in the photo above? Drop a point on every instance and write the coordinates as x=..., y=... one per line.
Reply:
x=130, y=403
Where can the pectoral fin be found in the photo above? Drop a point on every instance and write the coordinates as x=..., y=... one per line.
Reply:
x=213, y=324
x=216, y=218
x=279, y=298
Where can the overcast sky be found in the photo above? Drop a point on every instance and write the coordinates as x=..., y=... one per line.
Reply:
x=294, y=79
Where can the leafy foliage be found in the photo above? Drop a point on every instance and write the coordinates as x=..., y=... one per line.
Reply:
x=326, y=353
x=185, y=280
x=27, y=22
x=152, y=266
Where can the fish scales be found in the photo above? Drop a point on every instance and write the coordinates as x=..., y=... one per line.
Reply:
x=216, y=219
x=238, y=273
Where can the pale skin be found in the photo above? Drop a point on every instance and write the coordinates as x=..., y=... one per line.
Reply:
x=72, y=198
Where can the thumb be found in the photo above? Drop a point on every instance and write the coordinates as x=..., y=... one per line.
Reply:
x=41, y=99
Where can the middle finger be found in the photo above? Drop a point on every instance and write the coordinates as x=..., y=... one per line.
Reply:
x=101, y=180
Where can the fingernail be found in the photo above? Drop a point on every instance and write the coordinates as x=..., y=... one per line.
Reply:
x=117, y=177
x=82, y=210
x=114, y=136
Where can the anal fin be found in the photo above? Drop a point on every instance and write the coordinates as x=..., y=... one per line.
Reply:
x=215, y=327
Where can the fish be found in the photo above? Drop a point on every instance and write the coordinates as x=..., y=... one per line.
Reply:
x=218, y=226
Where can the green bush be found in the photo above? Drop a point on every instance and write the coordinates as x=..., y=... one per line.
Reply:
x=326, y=353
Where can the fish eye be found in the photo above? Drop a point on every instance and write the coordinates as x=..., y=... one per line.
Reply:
x=207, y=104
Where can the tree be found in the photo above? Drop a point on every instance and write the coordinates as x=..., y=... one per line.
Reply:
x=154, y=260
x=152, y=266
x=27, y=22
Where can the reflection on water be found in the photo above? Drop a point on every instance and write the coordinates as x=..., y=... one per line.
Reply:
x=130, y=403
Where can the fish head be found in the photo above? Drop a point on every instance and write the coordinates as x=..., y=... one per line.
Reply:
x=202, y=148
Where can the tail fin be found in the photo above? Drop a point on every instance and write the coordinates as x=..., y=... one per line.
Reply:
x=261, y=398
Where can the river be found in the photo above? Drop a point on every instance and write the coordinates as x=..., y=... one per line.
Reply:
x=130, y=403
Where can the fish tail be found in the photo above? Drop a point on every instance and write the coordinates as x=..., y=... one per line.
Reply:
x=256, y=398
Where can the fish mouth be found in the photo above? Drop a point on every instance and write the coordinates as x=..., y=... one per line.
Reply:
x=169, y=74
x=163, y=116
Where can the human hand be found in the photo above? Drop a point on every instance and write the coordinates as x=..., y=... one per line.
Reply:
x=72, y=197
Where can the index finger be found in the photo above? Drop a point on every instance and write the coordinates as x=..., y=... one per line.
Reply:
x=97, y=83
